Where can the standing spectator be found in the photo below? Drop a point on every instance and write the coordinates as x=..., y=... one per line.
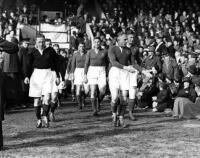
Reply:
x=11, y=69
x=11, y=48
x=169, y=67
x=23, y=60
x=74, y=41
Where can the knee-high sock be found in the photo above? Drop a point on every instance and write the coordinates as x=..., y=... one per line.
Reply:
x=59, y=96
x=73, y=92
x=100, y=97
x=94, y=105
x=38, y=112
x=122, y=108
x=53, y=107
x=131, y=104
x=83, y=96
x=78, y=97
x=113, y=107
x=46, y=109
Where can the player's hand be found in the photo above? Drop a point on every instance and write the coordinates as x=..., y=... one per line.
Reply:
x=147, y=74
x=57, y=81
x=85, y=79
x=26, y=80
x=129, y=69
x=66, y=76
x=72, y=77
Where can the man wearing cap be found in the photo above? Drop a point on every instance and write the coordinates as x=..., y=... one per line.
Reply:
x=170, y=48
x=160, y=47
x=11, y=69
x=153, y=60
x=169, y=67
x=192, y=59
x=185, y=95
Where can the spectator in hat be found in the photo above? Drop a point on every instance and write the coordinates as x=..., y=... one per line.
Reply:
x=11, y=69
x=161, y=101
x=192, y=110
x=185, y=95
x=169, y=66
x=192, y=71
x=160, y=47
x=74, y=41
x=152, y=60
x=170, y=48
x=184, y=64
x=146, y=92
x=192, y=59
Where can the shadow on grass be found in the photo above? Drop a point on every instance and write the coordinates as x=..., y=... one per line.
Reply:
x=9, y=112
x=152, y=115
x=74, y=138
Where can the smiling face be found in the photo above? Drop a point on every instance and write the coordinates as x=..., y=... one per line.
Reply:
x=97, y=43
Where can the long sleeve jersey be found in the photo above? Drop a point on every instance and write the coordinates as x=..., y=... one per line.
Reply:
x=47, y=60
x=95, y=59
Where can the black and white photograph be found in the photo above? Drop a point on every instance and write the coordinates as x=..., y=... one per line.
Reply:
x=99, y=78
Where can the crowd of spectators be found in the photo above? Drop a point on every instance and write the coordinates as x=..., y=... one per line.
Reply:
x=167, y=40
x=166, y=43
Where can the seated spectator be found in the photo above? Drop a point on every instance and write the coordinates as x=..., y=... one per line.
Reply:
x=161, y=101
x=192, y=110
x=185, y=95
x=146, y=92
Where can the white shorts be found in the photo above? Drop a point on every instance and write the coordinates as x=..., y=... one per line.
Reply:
x=68, y=76
x=97, y=76
x=119, y=79
x=40, y=82
x=133, y=80
x=54, y=86
x=79, y=76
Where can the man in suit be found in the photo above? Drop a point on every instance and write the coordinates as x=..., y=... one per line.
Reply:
x=11, y=48
x=23, y=59
x=169, y=66
x=11, y=69
x=160, y=47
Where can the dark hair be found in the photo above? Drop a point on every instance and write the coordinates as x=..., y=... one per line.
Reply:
x=56, y=45
x=40, y=36
x=47, y=40
x=97, y=38
x=163, y=85
x=81, y=43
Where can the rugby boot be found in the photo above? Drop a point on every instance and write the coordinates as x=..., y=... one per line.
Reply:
x=39, y=124
x=114, y=120
x=46, y=122
x=52, y=117
x=121, y=122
